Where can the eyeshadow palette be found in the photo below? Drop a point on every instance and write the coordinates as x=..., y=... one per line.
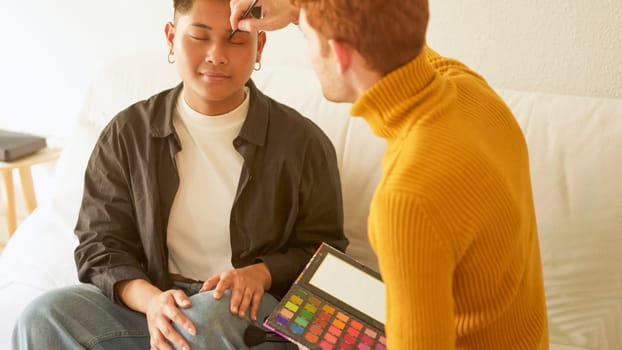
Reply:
x=326, y=308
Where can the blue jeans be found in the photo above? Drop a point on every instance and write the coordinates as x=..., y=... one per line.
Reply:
x=82, y=317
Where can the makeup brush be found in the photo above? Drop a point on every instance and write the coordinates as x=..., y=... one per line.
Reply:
x=244, y=15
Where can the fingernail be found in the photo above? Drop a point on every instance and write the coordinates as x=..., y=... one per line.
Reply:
x=243, y=26
x=191, y=331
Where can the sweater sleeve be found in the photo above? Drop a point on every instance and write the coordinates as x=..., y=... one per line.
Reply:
x=417, y=268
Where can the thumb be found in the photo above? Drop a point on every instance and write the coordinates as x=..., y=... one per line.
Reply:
x=210, y=284
x=247, y=25
x=182, y=300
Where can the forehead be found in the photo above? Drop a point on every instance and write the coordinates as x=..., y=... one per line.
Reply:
x=209, y=12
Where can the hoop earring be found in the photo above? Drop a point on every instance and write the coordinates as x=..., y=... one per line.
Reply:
x=170, y=58
x=257, y=66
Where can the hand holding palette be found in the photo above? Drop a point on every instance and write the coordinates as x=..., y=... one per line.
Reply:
x=336, y=303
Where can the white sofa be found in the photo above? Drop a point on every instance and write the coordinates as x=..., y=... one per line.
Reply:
x=575, y=148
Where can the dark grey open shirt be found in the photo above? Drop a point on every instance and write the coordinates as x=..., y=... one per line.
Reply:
x=288, y=198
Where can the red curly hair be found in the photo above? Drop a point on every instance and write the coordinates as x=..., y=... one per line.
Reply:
x=387, y=33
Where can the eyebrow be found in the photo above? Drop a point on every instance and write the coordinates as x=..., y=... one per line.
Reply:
x=205, y=26
x=201, y=25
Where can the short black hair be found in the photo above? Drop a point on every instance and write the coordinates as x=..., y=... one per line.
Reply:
x=181, y=7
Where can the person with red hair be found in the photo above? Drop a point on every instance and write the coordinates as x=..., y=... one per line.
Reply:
x=452, y=221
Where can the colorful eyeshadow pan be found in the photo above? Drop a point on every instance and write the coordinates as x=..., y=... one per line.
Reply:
x=324, y=316
x=296, y=299
x=302, y=322
x=291, y=306
x=311, y=308
x=315, y=301
x=315, y=329
x=287, y=314
x=282, y=320
x=330, y=338
x=311, y=337
x=371, y=333
x=334, y=330
x=339, y=324
x=320, y=325
x=297, y=329
x=353, y=332
x=320, y=322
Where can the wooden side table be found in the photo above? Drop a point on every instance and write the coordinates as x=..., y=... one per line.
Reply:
x=8, y=186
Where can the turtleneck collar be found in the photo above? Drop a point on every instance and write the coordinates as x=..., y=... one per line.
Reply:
x=389, y=104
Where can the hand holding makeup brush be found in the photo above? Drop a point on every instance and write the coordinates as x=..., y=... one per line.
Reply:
x=276, y=14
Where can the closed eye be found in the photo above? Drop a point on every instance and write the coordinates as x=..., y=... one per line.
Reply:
x=233, y=41
x=199, y=38
x=239, y=38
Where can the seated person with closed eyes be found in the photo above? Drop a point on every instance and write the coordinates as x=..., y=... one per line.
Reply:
x=201, y=206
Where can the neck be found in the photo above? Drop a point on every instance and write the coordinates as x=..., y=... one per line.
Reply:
x=360, y=77
x=214, y=107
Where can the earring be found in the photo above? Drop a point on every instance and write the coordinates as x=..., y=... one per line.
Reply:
x=171, y=58
x=257, y=66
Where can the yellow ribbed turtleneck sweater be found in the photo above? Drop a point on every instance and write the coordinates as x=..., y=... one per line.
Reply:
x=452, y=221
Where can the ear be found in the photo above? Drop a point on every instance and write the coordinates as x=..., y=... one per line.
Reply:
x=169, y=32
x=261, y=42
x=342, y=53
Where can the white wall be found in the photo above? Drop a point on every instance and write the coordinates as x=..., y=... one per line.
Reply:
x=570, y=47
x=51, y=48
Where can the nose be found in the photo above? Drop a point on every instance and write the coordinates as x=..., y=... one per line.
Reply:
x=216, y=53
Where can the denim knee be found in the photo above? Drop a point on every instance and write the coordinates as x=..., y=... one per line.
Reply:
x=44, y=309
x=79, y=317
x=39, y=321
x=216, y=327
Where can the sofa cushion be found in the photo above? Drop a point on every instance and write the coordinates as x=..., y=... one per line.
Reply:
x=575, y=144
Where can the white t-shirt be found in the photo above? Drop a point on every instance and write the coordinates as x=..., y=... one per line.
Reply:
x=209, y=167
